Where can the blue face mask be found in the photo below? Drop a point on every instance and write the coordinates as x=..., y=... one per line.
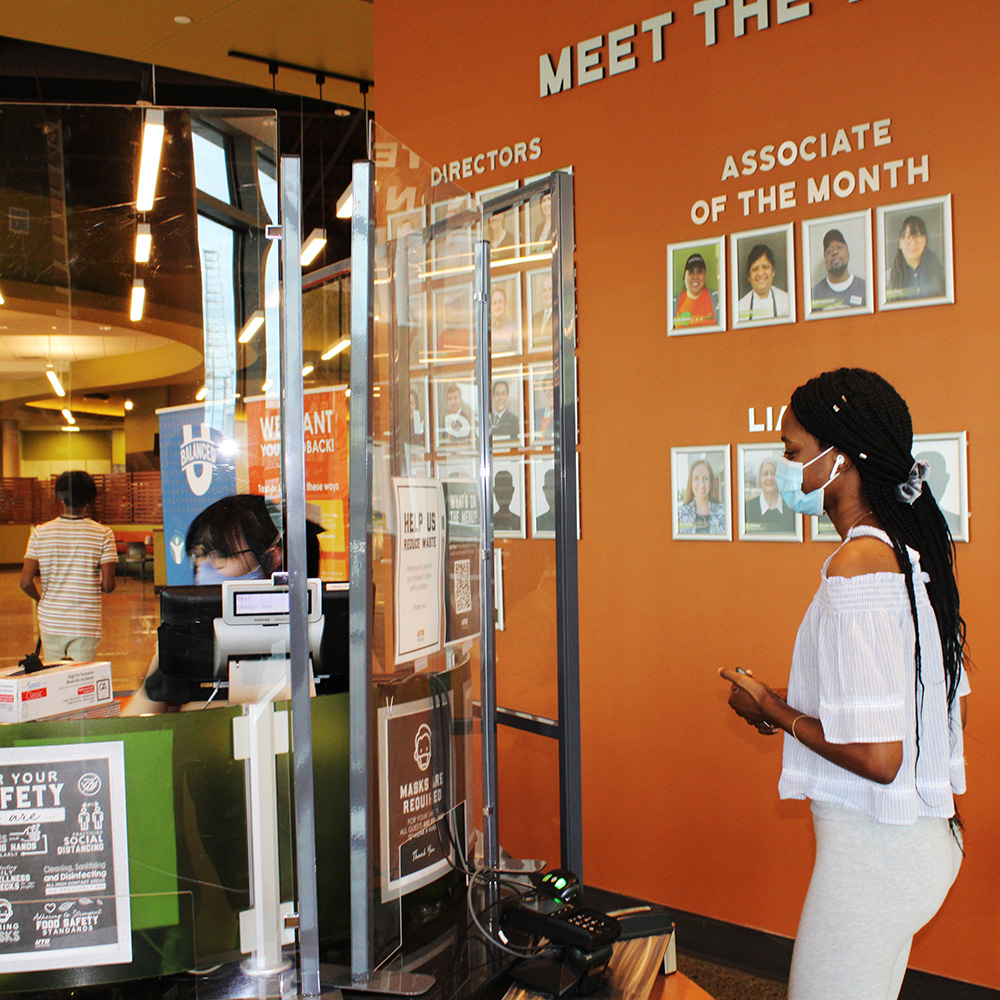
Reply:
x=206, y=574
x=789, y=476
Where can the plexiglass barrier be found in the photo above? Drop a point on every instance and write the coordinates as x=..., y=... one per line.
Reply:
x=141, y=321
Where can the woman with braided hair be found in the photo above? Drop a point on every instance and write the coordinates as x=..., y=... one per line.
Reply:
x=876, y=693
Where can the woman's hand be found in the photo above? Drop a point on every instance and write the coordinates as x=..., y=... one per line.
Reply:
x=746, y=698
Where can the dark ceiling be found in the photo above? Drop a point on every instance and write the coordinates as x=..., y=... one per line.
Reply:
x=312, y=129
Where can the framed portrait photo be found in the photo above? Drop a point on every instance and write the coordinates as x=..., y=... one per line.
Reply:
x=415, y=324
x=696, y=300
x=419, y=433
x=454, y=323
x=543, y=496
x=402, y=224
x=540, y=309
x=947, y=476
x=699, y=493
x=452, y=243
x=821, y=529
x=915, y=262
x=538, y=225
x=507, y=408
x=762, y=276
x=761, y=514
x=455, y=412
x=500, y=226
x=505, y=315
x=837, y=275
x=509, y=508
x=541, y=404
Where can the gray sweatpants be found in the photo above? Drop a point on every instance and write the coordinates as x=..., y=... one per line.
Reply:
x=873, y=887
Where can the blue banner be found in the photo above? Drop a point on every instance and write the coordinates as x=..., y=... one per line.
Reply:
x=197, y=467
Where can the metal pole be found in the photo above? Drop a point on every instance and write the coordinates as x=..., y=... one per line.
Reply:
x=568, y=637
x=487, y=651
x=293, y=458
x=360, y=612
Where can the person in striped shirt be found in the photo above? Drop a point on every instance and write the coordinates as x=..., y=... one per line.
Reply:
x=75, y=558
x=875, y=705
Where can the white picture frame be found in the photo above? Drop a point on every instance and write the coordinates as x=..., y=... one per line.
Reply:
x=948, y=482
x=506, y=326
x=688, y=524
x=821, y=300
x=510, y=518
x=543, y=508
x=456, y=428
x=542, y=415
x=541, y=311
x=779, y=523
x=508, y=432
x=679, y=255
x=895, y=225
x=779, y=304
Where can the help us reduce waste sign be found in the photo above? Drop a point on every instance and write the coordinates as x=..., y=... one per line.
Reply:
x=63, y=857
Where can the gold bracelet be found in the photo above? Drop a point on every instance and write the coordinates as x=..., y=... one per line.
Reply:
x=796, y=719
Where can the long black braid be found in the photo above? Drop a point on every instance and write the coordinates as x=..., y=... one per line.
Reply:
x=860, y=414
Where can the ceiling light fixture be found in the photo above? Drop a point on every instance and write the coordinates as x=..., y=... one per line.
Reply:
x=1, y=300
x=253, y=324
x=149, y=162
x=201, y=393
x=345, y=203
x=336, y=349
x=342, y=112
x=143, y=243
x=129, y=404
x=51, y=375
x=138, y=300
x=265, y=385
x=315, y=242
x=70, y=427
x=70, y=419
x=308, y=370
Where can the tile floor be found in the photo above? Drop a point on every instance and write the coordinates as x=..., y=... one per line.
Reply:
x=131, y=614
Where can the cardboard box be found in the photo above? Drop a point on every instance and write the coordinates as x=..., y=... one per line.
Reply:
x=61, y=688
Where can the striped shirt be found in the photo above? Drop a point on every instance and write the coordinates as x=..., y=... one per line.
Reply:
x=69, y=552
x=853, y=669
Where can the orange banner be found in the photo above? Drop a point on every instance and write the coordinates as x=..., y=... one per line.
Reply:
x=326, y=437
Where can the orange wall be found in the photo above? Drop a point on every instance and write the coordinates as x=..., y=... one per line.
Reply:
x=680, y=800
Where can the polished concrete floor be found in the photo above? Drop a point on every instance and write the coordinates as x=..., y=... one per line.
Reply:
x=131, y=614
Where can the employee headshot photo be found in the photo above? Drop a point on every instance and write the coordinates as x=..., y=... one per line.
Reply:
x=505, y=316
x=836, y=265
x=764, y=516
x=763, y=277
x=542, y=400
x=455, y=409
x=915, y=254
x=700, y=493
x=505, y=408
x=694, y=280
x=502, y=225
x=540, y=308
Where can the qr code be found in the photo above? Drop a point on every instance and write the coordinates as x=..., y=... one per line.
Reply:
x=461, y=577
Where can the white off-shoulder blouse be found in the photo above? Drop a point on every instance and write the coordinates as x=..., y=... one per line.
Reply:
x=853, y=668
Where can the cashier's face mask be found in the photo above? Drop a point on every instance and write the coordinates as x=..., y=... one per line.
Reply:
x=205, y=573
x=789, y=475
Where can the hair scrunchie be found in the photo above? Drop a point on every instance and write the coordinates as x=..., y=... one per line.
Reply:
x=911, y=487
